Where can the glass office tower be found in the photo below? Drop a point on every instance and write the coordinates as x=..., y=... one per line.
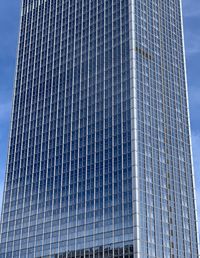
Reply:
x=99, y=161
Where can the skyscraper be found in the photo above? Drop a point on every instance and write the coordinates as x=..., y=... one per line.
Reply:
x=99, y=161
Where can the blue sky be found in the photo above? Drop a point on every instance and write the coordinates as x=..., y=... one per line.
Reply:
x=9, y=24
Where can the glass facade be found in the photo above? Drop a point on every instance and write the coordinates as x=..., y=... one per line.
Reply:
x=99, y=161
x=166, y=188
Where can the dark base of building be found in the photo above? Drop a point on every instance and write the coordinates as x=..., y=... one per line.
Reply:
x=106, y=252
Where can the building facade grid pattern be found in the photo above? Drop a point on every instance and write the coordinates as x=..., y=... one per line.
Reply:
x=99, y=161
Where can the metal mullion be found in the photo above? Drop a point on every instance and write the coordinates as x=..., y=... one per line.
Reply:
x=113, y=131
x=155, y=109
x=38, y=91
x=37, y=104
x=71, y=124
x=58, y=98
x=52, y=85
x=88, y=76
x=42, y=132
x=150, y=108
x=164, y=91
x=134, y=129
x=23, y=123
x=145, y=126
x=79, y=124
x=30, y=120
x=160, y=39
x=36, y=117
x=95, y=122
x=122, y=120
x=170, y=149
x=51, y=8
x=56, y=112
x=184, y=79
x=68, y=13
x=62, y=171
x=104, y=114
